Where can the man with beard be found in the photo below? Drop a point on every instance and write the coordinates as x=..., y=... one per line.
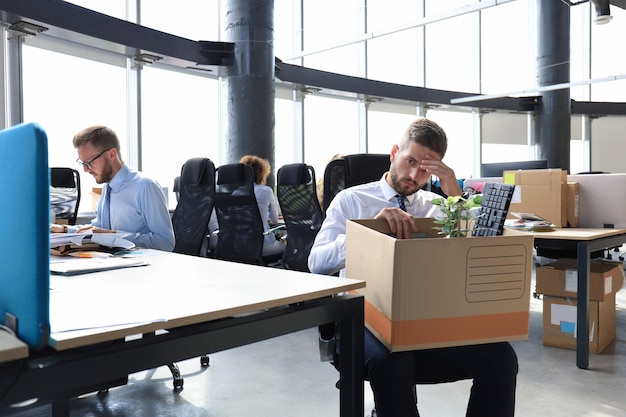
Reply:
x=397, y=197
x=132, y=205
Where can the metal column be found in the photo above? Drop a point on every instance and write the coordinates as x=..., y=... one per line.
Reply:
x=552, y=127
x=248, y=92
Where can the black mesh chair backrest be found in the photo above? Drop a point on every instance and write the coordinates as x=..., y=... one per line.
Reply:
x=65, y=193
x=190, y=220
x=295, y=189
x=240, y=235
x=352, y=170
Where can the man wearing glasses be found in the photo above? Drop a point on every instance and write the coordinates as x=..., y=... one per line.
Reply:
x=132, y=204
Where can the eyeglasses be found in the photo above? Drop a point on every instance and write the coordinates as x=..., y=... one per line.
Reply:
x=88, y=163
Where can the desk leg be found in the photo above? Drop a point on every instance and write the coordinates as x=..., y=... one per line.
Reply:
x=582, y=311
x=351, y=365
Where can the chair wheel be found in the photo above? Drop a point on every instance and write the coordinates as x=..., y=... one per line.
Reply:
x=178, y=384
x=204, y=360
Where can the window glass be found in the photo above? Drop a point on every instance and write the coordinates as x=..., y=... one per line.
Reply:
x=284, y=134
x=331, y=127
x=459, y=128
x=286, y=33
x=607, y=135
x=605, y=61
x=507, y=48
x=451, y=60
x=180, y=120
x=68, y=94
x=381, y=19
x=385, y=127
x=323, y=29
x=437, y=7
x=115, y=8
x=580, y=23
x=191, y=19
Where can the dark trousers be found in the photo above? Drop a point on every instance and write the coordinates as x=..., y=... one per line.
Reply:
x=393, y=376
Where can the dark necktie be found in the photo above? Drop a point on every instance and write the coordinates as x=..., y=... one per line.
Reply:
x=401, y=199
x=106, y=209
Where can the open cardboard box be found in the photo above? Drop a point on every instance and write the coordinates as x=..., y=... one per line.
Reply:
x=435, y=292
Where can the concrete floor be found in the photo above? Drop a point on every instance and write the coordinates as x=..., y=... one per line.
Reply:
x=283, y=376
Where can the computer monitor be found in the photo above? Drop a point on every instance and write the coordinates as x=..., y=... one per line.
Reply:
x=497, y=168
x=25, y=242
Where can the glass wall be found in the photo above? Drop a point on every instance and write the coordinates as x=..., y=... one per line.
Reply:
x=165, y=115
x=64, y=94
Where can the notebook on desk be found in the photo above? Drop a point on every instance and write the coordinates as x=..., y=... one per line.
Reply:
x=24, y=247
x=77, y=266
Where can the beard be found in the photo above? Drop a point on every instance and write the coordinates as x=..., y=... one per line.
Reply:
x=404, y=186
x=105, y=176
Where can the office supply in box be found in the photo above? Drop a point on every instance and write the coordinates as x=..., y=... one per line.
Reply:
x=560, y=322
x=493, y=209
x=560, y=279
x=435, y=291
x=24, y=275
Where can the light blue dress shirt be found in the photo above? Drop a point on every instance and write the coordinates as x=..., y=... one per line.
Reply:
x=139, y=211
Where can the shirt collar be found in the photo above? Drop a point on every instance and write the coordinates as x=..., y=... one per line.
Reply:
x=390, y=194
x=119, y=178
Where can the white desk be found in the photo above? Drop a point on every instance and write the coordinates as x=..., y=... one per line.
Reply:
x=584, y=241
x=11, y=348
x=205, y=305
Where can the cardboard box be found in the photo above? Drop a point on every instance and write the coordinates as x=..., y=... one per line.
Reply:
x=540, y=191
x=435, y=292
x=560, y=279
x=559, y=323
x=573, y=204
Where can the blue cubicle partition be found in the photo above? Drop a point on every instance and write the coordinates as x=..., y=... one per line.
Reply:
x=24, y=238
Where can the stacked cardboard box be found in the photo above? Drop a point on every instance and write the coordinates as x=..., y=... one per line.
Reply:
x=433, y=292
x=558, y=282
x=546, y=193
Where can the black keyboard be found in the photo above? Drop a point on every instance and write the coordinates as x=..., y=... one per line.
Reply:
x=493, y=209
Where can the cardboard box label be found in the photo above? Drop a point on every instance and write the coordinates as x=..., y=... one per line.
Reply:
x=495, y=273
x=560, y=323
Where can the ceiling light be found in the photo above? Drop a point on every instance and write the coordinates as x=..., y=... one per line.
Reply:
x=603, y=12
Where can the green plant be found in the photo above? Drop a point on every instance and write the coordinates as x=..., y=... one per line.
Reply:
x=457, y=214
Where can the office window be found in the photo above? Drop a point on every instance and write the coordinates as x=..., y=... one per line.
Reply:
x=329, y=23
x=606, y=60
x=507, y=49
x=386, y=124
x=191, y=19
x=459, y=129
x=180, y=120
x=284, y=134
x=330, y=127
x=451, y=60
x=607, y=139
x=65, y=94
x=286, y=32
x=401, y=66
x=115, y=8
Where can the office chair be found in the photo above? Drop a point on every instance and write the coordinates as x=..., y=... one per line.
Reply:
x=295, y=189
x=195, y=193
x=196, y=190
x=352, y=170
x=65, y=193
x=241, y=232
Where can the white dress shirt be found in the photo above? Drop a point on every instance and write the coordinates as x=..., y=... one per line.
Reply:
x=328, y=254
